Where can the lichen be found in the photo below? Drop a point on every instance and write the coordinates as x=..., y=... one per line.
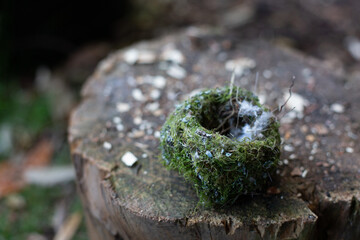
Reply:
x=222, y=141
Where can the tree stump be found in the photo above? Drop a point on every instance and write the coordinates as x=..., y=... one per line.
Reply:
x=315, y=194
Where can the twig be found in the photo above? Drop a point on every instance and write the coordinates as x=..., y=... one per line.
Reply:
x=232, y=81
x=290, y=92
x=237, y=97
x=69, y=227
x=286, y=113
x=225, y=120
x=256, y=82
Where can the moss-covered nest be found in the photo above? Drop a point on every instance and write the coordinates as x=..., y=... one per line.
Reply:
x=224, y=142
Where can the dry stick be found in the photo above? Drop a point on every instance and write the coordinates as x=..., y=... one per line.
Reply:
x=225, y=120
x=231, y=99
x=232, y=81
x=256, y=82
x=237, y=119
x=225, y=130
x=236, y=99
x=282, y=106
x=228, y=117
x=69, y=227
x=286, y=113
x=290, y=92
x=228, y=128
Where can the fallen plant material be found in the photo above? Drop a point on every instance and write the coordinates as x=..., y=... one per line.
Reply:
x=49, y=176
x=69, y=227
x=12, y=174
x=296, y=172
x=10, y=181
x=40, y=155
x=273, y=190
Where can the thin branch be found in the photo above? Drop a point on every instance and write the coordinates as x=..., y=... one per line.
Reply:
x=286, y=113
x=225, y=120
x=290, y=92
x=237, y=97
x=232, y=81
x=256, y=82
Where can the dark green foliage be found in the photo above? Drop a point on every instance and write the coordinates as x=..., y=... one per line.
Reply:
x=21, y=108
x=221, y=168
x=37, y=213
x=26, y=113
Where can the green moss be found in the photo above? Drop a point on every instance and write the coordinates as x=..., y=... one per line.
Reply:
x=196, y=140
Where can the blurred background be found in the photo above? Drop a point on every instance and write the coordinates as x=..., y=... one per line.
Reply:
x=49, y=48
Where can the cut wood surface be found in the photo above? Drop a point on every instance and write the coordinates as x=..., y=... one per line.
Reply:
x=315, y=193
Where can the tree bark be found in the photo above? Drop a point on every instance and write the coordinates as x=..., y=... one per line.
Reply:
x=315, y=193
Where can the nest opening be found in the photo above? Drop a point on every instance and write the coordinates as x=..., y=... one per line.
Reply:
x=236, y=119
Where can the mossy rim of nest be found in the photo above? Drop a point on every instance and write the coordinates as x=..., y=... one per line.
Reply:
x=196, y=141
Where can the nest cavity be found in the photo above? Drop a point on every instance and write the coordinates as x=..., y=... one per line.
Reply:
x=224, y=142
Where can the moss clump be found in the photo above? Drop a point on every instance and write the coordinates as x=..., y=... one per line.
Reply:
x=224, y=142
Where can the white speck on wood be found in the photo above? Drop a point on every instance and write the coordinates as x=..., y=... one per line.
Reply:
x=119, y=127
x=138, y=95
x=349, y=150
x=116, y=120
x=172, y=55
x=146, y=57
x=107, y=145
x=155, y=94
x=157, y=134
x=137, y=120
x=176, y=71
x=159, y=82
x=131, y=56
x=129, y=159
x=151, y=107
x=288, y=148
x=123, y=107
x=337, y=108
